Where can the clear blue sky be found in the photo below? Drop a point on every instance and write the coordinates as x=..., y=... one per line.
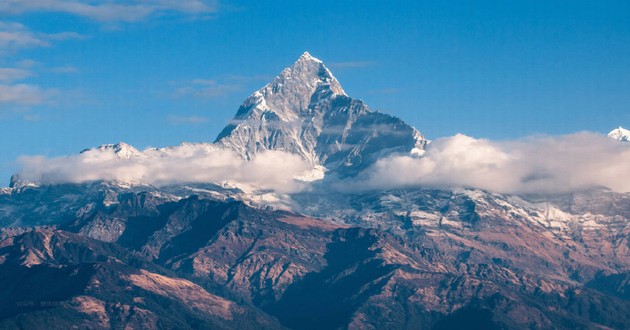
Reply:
x=75, y=75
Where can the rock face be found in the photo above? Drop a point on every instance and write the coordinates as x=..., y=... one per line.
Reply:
x=306, y=112
x=120, y=255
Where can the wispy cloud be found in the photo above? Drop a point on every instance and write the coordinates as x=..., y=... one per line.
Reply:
x=64, y=69
x=32, y=117
x=17, y=93
x=65, y=36
x=535, y=165
x=183, y=120
x=216, y=87
x=111, y=10
x=202, y=88
x=16, y=36
x=8, y=75
x=385, y=91
x=25, y=94
x=351, y=64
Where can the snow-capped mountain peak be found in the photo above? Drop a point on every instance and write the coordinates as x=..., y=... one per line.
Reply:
x=310, y=70
x=289, y=94
x=620, y=134
x=122, y=150
x=305, y=111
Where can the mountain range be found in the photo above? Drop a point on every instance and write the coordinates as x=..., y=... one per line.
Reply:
x=123, y=252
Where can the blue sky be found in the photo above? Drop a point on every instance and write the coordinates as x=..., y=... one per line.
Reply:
x=76, y=73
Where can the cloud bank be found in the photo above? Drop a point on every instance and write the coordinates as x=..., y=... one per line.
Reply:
x=537, y=165
x=270, y=170
x=533, y=165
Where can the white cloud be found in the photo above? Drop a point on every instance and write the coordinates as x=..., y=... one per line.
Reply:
x=352, y=64
x=273, y=170
x=534, y=165
x=216, y=87
x=64, y=69
x=13, y=74
x=24, y=94
x=15, y=36
x=385, y=91
x=206, y=88
x=111, y=10
x=61, y=36
x=179, y=120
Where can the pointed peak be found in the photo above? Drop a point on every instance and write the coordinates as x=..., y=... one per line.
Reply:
x=307, y=63
x=311, y=71
x=307, y=57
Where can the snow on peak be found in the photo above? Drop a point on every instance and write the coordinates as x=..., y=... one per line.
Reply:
x=306, y=56
x=620, y=134
x=122, y=150
x=289, y=94
x=312, y=71
x=305, y=111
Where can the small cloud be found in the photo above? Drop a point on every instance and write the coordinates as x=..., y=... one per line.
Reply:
x=352, y=64
x=183, y=120
x=248, y=79
x=385, y=91
x=205, y=88
x=111, y=11
x=15, y=36
x=202, y=82
x=32, y=117
x=64, y=69
x=27, y=64
x=66, y=36
x=24, y=94
x=8, y=75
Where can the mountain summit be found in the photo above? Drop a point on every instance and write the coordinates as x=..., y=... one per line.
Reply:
x=620, y=134
x=305, y=111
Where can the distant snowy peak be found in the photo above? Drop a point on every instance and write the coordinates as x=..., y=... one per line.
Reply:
x=125, y=151
x=122, y=150
x=305, y=111
x=620, y=134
